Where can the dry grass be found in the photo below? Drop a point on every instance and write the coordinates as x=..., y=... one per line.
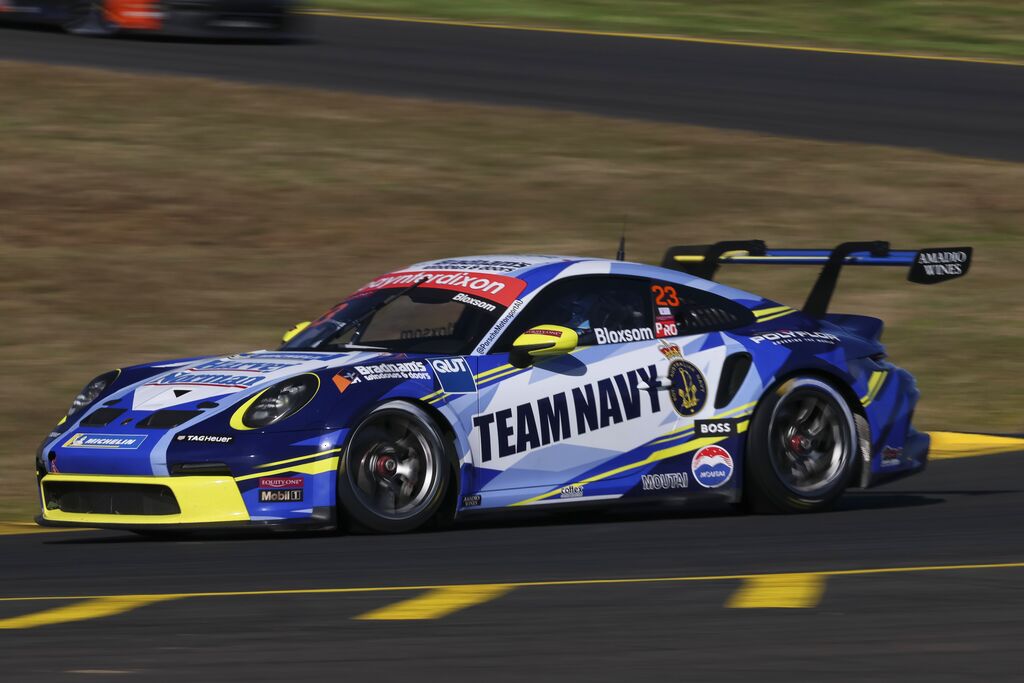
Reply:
x=145, y=218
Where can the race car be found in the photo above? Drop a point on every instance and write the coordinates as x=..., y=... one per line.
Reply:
x=241, y=19
x=500, y=383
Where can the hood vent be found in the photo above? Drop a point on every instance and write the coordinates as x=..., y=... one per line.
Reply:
x=102, y=417
x=165, y=419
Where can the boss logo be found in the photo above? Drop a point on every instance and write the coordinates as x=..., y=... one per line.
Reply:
x=714, y=427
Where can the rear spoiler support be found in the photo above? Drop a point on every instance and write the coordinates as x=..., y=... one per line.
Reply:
x=927, y=266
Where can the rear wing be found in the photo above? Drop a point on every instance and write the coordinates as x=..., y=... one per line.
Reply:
x=926, y=266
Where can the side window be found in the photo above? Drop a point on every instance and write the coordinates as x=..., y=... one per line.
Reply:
x=680, y=310
x=601, y=309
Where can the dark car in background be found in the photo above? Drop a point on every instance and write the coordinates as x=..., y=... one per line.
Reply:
x=233, y=19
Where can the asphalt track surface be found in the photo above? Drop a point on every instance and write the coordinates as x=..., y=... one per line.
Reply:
x=948, y=624
x=962, y=108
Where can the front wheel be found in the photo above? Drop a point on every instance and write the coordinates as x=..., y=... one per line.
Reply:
x=395, y=470
x=801, y=448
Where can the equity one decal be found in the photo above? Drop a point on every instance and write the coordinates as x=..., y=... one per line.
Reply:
x=567, y=414
x=499, y=288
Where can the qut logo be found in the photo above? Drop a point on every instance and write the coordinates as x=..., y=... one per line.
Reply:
x=447, y=366
x=454, y=375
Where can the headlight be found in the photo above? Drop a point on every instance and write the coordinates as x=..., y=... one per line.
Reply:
x=276, y=403
x=92, y=391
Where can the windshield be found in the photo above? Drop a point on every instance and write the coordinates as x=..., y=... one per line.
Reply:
x=403, y=319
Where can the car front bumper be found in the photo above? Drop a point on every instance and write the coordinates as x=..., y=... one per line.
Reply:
x=140, y=501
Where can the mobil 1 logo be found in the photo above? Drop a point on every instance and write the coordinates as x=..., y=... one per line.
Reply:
x=714, y=428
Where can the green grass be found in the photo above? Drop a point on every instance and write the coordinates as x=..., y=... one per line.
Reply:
x=980, y=28
x=145, y=218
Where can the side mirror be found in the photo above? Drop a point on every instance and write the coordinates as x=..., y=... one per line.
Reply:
x=290, y=334
x=540, y=342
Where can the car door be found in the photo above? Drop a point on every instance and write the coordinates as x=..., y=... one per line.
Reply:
x=562, y=417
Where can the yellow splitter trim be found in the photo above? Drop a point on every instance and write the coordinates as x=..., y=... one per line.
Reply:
x=203, y=500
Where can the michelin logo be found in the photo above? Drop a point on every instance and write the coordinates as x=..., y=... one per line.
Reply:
x=116, y=442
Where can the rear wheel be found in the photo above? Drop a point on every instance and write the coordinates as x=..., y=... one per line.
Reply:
x=801, y=448
x=88, y=18
x=395, y=470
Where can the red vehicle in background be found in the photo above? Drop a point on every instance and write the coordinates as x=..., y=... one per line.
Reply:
x=241, y=19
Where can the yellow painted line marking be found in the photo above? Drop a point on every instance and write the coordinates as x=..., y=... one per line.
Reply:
x=301, y=457
x=952, y=445
x=437, y=603
x=788, y=591
x=92, y=608
x=664, y=37
x=534, y=584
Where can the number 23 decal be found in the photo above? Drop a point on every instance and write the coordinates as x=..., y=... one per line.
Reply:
x=665, y=295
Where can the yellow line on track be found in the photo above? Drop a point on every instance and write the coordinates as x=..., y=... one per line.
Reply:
x=786, y=591
x=951, y=445
x=437, y=603
x=664, y=37
x=92, y=608
x=532, y=584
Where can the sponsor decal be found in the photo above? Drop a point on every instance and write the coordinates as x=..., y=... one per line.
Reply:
x=606, y=336
x=665, y=327
x=937, y=265
x=664, y=482
x=544, y=333
x=117, y=442
x=454, y=375
x=344, y=379
x=472, y=501
x=688, y=389
x=205, y=438
x=502, y=323
x=413, y=369
x=422, y=332
x=787, y=337
x=295, y=356
x=712, y=466
x=670, y=351
x=664, y=310
x=571, y=491
x=490, y=265
x=472, y=301
x=209, y=380
x=891, y=456
x=498, y=288
x=714, y=428
x=567, y=414
x=281, y=489
x=241, y=366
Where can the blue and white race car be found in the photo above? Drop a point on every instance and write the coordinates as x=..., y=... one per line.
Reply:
x=479, y=383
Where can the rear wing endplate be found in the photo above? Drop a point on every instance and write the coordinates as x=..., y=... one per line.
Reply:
x=926, y=266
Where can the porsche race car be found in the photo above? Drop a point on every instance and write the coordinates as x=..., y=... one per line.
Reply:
x=497, y=383
x=238, y=19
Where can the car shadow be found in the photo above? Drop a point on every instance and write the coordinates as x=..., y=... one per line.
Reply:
x=850, y=503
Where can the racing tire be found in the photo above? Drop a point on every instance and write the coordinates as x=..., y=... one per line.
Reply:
x=395, y=472
x=801, y=449
x=88, y=18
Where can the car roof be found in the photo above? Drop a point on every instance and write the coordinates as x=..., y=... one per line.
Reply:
x=540, y=269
